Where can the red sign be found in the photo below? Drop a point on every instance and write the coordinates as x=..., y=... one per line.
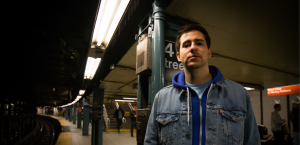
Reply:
x=79, y=109
x=281, y=91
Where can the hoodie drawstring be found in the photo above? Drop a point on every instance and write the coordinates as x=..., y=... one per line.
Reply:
x=188, y=104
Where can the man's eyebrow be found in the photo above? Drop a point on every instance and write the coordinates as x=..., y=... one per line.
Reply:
x=194, y=40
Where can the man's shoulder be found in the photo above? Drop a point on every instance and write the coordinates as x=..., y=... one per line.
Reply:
x=168, y=89
x=233, y=84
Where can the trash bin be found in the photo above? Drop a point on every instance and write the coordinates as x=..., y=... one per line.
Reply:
x=263, y=131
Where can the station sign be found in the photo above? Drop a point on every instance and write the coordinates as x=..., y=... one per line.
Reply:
x=172, y=65
x=284, y=90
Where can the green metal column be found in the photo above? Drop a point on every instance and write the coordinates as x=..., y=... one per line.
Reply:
x=158, y=51
x=66, y=113
x=139, y=103
x=74, y=114
x=97, y=122
x=86, y=111
x=79, y=104
x=70, y=117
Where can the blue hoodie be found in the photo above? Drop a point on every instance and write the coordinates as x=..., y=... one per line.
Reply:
x=179, y=81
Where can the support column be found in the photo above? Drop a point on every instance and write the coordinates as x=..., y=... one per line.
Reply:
x=67, y=113
x=70, y=110
x=74, y=114
x=79, y=114
x=261, y=109
x=158, y=51
x=86, y=111
x=97, y=123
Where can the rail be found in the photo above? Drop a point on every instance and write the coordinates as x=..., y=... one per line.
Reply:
x=130, y=106
x=106, y=119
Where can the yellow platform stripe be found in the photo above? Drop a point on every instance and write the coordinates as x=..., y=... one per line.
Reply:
x=63, y=123
x=64, y=138
x=121, y=130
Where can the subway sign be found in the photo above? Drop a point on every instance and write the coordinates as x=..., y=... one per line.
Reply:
x=172, y=65
x=285, y=90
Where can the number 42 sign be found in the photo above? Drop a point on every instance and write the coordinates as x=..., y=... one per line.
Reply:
x=172, y=66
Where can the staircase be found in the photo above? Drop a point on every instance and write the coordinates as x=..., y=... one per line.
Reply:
x=110, y=108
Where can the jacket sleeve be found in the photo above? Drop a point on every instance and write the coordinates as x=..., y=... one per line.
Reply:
x=151, y=137
x=251, y=133
x=115, y=114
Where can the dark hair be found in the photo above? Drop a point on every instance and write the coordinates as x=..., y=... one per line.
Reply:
x=276, y=106
x=190, y=27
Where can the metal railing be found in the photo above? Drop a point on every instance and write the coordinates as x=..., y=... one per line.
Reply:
x=105, y=117
x=130, y=106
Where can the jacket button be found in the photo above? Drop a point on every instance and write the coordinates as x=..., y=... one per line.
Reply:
x=235, y=116
x=187, y=108
x=185, y=94
x=165, y=119
x=187, y=135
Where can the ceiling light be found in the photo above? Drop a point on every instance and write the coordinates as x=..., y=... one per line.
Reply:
x=91, y=67
x=108, y=18
x=125, y=101
x=130, y=98
x=248, y=88
x=81, y=92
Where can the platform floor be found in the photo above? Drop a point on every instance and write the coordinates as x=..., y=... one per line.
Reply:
x=71, y=135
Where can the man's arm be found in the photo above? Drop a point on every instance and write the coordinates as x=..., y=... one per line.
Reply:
x=151, y=137
x=251, y=133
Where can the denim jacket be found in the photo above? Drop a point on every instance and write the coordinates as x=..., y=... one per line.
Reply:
x=229, y=118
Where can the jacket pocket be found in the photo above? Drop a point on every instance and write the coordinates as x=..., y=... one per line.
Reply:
x=167, y=127
x=233, y=125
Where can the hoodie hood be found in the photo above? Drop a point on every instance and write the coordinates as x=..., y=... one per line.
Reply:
x=179, y=79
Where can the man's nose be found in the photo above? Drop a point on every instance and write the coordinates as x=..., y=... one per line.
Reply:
x=193, y=47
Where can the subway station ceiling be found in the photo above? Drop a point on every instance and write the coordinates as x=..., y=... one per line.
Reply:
x=51, y=41
x=254, y=42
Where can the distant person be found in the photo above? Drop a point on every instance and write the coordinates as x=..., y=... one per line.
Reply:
x=295, y=120
x=276, y=126
x=119, y=114
x=133, y=119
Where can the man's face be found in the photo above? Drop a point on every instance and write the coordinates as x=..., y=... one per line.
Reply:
x=194, y=52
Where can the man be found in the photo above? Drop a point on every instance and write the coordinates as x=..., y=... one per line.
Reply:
x=118, y=115
x=200, y=107
x=276, y=126
x=132, y=115
x=295, y=120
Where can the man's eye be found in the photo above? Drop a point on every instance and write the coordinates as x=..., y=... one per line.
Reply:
x=186, y=45
x=199, y=44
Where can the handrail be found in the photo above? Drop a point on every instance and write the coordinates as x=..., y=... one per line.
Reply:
x=106, y=119
x=130, y=106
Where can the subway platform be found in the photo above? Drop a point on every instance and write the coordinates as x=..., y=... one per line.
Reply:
x=71, y=135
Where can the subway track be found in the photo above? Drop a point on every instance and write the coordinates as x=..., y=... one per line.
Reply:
x=49, y=131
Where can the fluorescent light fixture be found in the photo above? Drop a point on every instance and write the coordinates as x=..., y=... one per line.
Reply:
x=125, y=101
x=81, y=92
x=130, y=98
x=108, y=18
x=91, y=67
x=248, y=88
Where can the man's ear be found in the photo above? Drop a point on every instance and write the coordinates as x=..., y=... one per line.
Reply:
x=209, y=53
x=178, y=56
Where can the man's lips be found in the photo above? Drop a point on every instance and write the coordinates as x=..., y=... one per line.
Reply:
x=193, y=57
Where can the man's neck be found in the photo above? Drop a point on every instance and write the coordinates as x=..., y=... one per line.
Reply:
x=197, y=76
